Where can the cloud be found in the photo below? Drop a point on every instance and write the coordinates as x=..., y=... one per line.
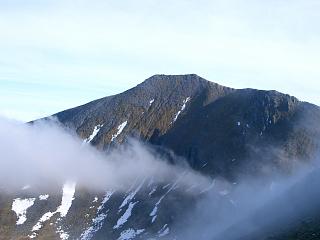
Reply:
x=256, y=207
x=45, y=155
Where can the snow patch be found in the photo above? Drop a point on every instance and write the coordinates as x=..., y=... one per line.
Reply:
x=152, y=191
x=130, y=196
x=154, y=218
x=63, y=235
x=182, y=108
x=163, y=231
x=94, y=133
x=124, y=218
x=166, y=186
x=154, y=211
x=130, y=234
x=67, y=198
x=98, y=220
x=33, y=235
x=153, y=214
x=43, y=197
x=107, y=196
x=150, y=102
x=120, y=129
x=205, y=164
x=96, y=225
x=20, y=206
x=66, y=202
x=38, y=226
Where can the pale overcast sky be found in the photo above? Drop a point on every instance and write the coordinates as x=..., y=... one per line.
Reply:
x=56, y=54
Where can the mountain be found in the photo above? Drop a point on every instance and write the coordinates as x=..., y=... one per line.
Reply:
x=204, y=122
x=221, y=132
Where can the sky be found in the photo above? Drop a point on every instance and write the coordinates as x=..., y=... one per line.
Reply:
x=57, y=54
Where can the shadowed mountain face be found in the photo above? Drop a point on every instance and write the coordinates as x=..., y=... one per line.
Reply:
x=221, y=132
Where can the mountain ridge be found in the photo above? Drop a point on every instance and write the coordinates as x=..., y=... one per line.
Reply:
x=165, y=105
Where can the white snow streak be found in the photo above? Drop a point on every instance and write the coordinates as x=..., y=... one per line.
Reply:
x=124, y=218
x=98, y=220
x=130, y=196
x=153, y=214
x=20, y=206
x=94, y=133
x=163, y=231
x=120, y=129
x=66, y=202
x=67, y=198
x=152, y=191
x=130, y=234
x=151, y=101
x=154, y=211
x=43, y=197
x=166, y=186
x=45, y=217
x=182, y=108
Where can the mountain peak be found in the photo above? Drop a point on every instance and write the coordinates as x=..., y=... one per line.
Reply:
x=181, y=84
x=166, y=76
x=175, y=78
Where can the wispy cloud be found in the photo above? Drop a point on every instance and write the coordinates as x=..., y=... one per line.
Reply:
x=45, y=155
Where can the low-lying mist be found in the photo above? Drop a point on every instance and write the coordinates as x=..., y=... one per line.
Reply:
x=43, y=154
x=254, y=208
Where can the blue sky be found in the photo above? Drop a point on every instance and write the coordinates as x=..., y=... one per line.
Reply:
x=56, y=54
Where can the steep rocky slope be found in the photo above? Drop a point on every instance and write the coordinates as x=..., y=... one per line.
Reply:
x=204, y=122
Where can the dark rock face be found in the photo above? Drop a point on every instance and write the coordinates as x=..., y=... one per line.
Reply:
x=219, y=131
x=236, y=128
x=149, y=108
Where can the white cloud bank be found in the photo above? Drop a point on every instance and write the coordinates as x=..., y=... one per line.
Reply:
x=44, y=155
